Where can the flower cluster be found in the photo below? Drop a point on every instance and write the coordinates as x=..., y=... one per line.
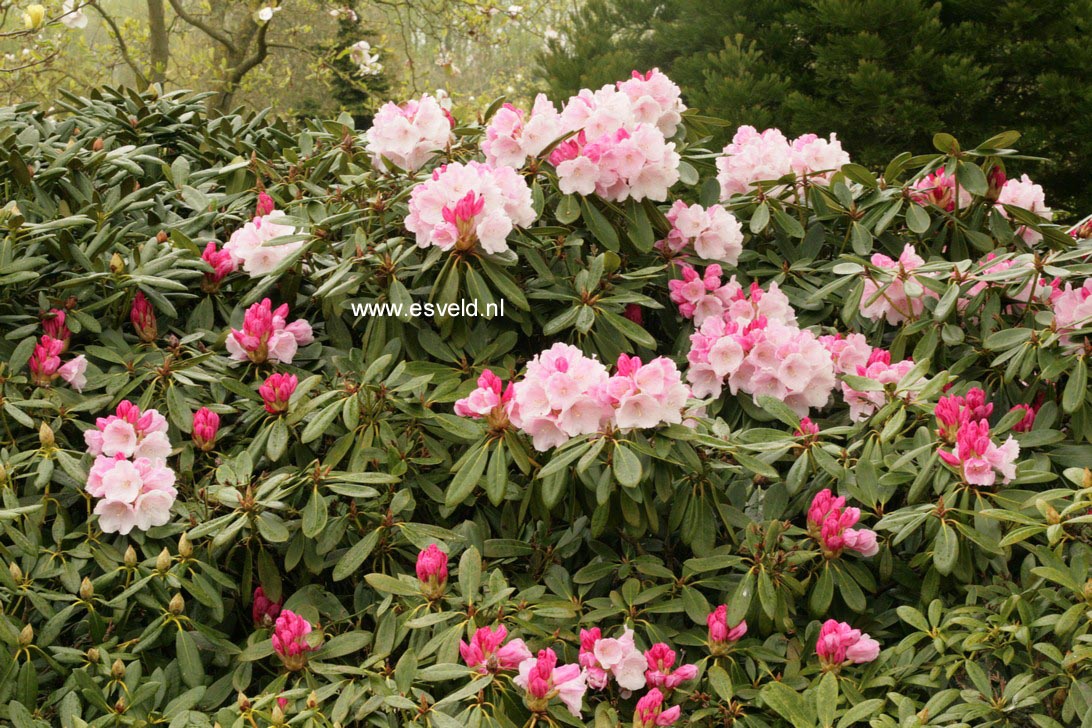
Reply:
x=898, y=295
x=45, y=359
x=142, y=316
x=206, y=424
x=645, y=395
x=604, y=658
x=624, y=164
x=1072, y=308
x=290, y=639
x=939, y=188
x=863, y=404
x=130, y=476
x=222, y=264
x=408, y=135
x=263, y=610
x=662, y=671
x=1031, y=288
x=754, y=156
x=1025, y=194
x=564, y=394
x=712, y=232
x=487, y=651
x=760, y=355
x=510, y=138
x=649, y=711
x=848, y=352
x=267, y=336
x=470, y=205
x=976, y=457
x=655, y=99
x=542, y=679
x=258, y=246
x=839, y=643
x=704, y=296
x=831, y=524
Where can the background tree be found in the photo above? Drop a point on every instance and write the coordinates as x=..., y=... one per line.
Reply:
x=885, y=75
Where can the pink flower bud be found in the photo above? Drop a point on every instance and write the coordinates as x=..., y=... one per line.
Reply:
x=264, y=610
x=839, y=643
x=222, y=265
x=206, y=423
x=432, y=571
x=265, y=205
x=1025, y=424
x=276, y=392
x=634, y=313
x=650, y=712
x=54, y=326
x=721, y=635
x=45, y=361
x=290, y=639
x=142, y=316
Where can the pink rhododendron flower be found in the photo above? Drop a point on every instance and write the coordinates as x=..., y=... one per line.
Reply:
x=542, y=679
x=807, y=429
x=662, y=673
x=74, y=372
x=721, y=634
x=290, y=639
x=753, y=157
x=650, y=712
x=432, y=571
x=848, y=352
x=263, y=610
x=489, y=401
x=54, y=326
x=704, y=296
x=627, y=163
x=655, y=99
x=977, y=458
x=953, y=410
x=559, y=397
x=510, y=138
x=1030, y=287
x=895, y=293
x=267, y=336
x=45, y=361
x=252, y=246
x=488, y=653
x=938, y=188
x=129, y=433
x=467, y=205
x=879, y=368
x=142, y=316
x=1072, y=308
x=644, y=396
x=276, y=392
x=222, y=264
x=760, y=357
x=605, y=657
x=206, y=424
x=839, y=643
x=712, y=232
x=410, y=134
x=1030, y=196
x=830, y=523
x=137, y=494
x=1028, y=420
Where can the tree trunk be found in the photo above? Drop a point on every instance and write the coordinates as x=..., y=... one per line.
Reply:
x=159, y=42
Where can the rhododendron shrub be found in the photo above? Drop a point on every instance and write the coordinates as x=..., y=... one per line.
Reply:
x=759, y=436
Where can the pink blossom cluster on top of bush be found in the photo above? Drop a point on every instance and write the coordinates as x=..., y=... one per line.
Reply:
x=754, y=156
x=410, y=134
x=564, y=394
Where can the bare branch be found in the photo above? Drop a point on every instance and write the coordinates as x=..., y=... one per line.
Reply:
x=123, y=48
x=216, y=34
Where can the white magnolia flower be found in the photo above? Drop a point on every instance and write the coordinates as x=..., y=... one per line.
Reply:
x=367, y=62
x=266, y=13
x=72, y=14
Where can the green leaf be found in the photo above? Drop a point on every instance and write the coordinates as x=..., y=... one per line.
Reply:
x=355, y=556
x=826, y=699
x=917, y=219
x=466, y=476
x=720, y=682
x=787, y=703
x=945, y=549
x=1076, y=389
x=390, y=585
x=189, y=661
x=627, y=466
x=600, y=227
x=315, y=515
